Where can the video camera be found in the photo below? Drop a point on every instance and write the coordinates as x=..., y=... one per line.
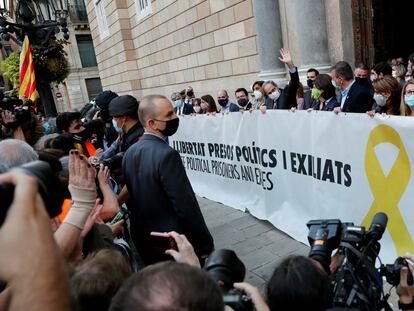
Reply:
x=226, y=268
x=20, y=111
x=49, y=185
x=357, y=284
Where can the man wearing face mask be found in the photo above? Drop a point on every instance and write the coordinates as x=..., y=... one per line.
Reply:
x=225, y=104
x=242, y=98
x=84, y=136
x=124, y=113
x=160, y=195
x=311, y=75
x=286, y=98
x=185, y=106
x=354, y=96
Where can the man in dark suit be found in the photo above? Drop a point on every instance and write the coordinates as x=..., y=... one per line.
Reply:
x=311, y=75
x=183, y=108
x=160, y=195
x=354, y=96
x=186, y=105
x=286, y=98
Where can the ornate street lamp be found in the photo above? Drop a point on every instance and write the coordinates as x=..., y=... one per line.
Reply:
x=40, y=20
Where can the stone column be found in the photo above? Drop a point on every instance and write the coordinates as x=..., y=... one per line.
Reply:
x=305, y=33
x=269, y=39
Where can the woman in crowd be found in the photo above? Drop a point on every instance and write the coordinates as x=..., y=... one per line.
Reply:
x=197, y=105
x=208, y=104
x=323, y=93
x=387, y=96
x=407, y=99
x=300, y=97
x=398, y=72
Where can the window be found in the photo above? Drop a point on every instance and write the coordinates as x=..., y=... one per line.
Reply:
x=94, y=87
x=78, y=12
x=86, y=51
x=143, y=8
x=101, y=17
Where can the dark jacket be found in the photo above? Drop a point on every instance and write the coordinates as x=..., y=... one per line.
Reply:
x=332, y=103
x=187, y=109
x=287, y=98
x=358, y=99
x=161, y=197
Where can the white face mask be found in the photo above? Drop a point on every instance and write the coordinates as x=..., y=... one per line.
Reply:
x=275, y=95
x=394, y=74
x=258, y=95
x=197, y=109
x=380, y=100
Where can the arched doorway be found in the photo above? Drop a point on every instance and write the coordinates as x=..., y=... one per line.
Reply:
x=380, y=28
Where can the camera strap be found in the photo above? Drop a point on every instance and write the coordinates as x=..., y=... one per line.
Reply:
x=368, y=266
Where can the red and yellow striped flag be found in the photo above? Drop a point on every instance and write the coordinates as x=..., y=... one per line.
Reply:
x=27, y=73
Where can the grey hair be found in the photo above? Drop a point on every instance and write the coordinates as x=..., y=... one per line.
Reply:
x=269, y=82
x=14, y=152
x=343, y=70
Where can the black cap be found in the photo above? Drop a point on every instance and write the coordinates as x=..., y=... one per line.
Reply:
x=103, y=99
x=125, y=105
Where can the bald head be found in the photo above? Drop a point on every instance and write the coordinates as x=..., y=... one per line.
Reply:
x=150, y=107
x=222, y=93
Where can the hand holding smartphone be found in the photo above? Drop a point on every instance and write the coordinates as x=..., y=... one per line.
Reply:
x=162, y=241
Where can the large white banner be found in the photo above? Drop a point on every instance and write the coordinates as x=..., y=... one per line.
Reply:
x=291, y=167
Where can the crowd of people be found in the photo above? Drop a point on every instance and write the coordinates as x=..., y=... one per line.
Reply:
x=115, y=224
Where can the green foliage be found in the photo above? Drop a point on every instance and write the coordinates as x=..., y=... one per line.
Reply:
x=10, y=69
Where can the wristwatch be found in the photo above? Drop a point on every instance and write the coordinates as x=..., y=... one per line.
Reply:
x=406, y=306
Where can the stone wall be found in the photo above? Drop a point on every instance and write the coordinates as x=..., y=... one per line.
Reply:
x=209, y=44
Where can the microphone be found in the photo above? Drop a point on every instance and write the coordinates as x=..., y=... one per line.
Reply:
x=378, y=225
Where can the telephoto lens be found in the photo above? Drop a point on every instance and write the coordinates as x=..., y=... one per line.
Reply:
x=50, y=188
x=226, y=268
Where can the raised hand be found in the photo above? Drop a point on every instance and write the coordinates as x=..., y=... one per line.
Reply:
x=285, y=57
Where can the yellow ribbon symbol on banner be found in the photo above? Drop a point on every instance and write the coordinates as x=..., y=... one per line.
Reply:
x=388, y=190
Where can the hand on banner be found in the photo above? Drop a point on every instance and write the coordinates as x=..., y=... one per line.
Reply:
x=337, y=110
x=263, y=109
x=371, y=113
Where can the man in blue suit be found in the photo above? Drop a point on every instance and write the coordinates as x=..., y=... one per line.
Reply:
x=353, y=96
x=160, y=195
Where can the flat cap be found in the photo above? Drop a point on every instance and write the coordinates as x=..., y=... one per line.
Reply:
x=125, y=105
x=103, y=99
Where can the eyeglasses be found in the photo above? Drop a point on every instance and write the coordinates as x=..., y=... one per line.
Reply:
x=409, y=93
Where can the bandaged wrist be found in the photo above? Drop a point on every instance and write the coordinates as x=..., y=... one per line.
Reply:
x=83, y=201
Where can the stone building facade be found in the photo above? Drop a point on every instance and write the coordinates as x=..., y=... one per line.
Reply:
x=83, y=82
x=161, y=46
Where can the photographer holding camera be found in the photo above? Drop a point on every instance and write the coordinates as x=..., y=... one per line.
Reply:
x=124, y=113
x=405, y=291
x=18, y=120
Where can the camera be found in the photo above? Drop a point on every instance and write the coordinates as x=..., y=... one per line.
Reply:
x=226, y=268
x=392, y=272
x=114, y=162
x=49, y=185
x=357, y=284
x=15, y=106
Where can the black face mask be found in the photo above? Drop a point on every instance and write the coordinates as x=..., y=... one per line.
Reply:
x=242, y=102
x=190, y=93
x=81, y=136
x=309, y=82
x=171, y=127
